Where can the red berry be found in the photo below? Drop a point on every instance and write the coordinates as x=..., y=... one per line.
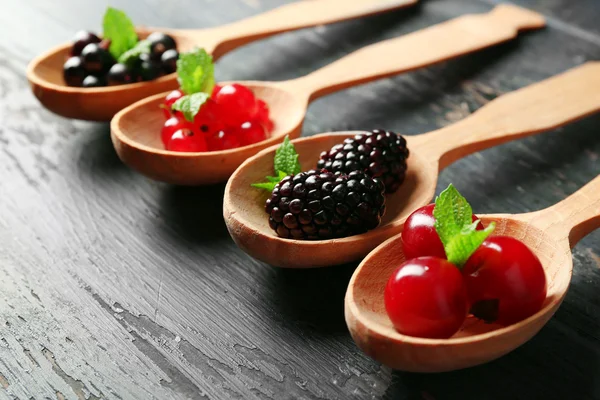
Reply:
x=262, y=111
x=169, y=100
x=209, y=124
x=237, y=103
x=426, y=297
x=419, y=237
x=207, y=119
x=186, y=140
x=215, y=91
x=505, y=281
x=223, y=140
x=262, y=115
x=250, y=133
x=172, y=125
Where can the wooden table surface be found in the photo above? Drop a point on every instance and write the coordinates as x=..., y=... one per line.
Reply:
x=113, y=286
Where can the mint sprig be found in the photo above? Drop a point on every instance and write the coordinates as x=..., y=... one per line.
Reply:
x=452, y=212
x=455, y=226
x=272, y=181
x=119, y=29
x=190, y=105
x=196, y=72
x=286, y=159
x=196, y=76
x=133, y=54
x=285, y=163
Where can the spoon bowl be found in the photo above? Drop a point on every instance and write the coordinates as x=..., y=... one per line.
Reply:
x=101, y=104
x=135, y=131
x=548, y=233
x=94, y=104
x=136, y=137
x=531, y=110
x=248, y=222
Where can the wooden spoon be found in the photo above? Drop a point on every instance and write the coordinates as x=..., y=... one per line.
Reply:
x=549, y=233
x=101, y=104
x=136, y=129
x=531, y=110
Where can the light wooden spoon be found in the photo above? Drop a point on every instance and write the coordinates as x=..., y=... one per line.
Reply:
x=549, y=233
x=531, y=110
x=101, y=104
x=136, y=129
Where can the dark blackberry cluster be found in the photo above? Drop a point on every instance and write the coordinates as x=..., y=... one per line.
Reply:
x=90, y=64
x=321, y=205
x=381, y=154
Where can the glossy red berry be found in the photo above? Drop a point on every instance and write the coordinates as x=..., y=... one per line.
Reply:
x=262, y=115
x=215, y=91
x=231, y=118
x=169, y=100
x=419, y=237
x=505, y=281
x=251, y=132
x=426, y=297
x=172, y=125
x=223, y=140
x=207, y=119
x=237, y=103
x=187, y=140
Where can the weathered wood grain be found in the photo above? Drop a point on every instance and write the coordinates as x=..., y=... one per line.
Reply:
x=116, y=287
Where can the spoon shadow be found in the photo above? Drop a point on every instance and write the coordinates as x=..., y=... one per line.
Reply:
x=313, y=297
x=531, y=167
x=195, y=213
x=306, y=55
x=531, y=369
x=558, y=342
x=406, y=100
x=97, y=157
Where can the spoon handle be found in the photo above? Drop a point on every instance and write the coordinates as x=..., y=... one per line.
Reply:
x=574, y=217
x=432, y=45
x=298, y=15
x=536, y=108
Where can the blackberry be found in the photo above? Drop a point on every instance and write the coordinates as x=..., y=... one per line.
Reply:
x=119, y=74
x=73, y=71
x=146, y=70
x=96, y=60
x=159, y=43
x=321, y=205
x=380, y=154
x=93, y=81
x=82, y=39
x=169, y=61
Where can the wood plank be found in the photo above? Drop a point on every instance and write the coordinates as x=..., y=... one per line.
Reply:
x=116, y=287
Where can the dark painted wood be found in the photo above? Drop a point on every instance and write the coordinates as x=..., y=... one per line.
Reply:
x=116, y=287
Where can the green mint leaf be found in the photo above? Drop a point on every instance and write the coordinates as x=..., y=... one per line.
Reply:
x=119, y=29
x=130, y=56
x=286, y=158
x=285, y=163
x=272, y=181
x=277, y=178
x=452, y=213
x=190, y=104
x=464, y=244
x=196, y=72
x=455, y=227
x=265, y=185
